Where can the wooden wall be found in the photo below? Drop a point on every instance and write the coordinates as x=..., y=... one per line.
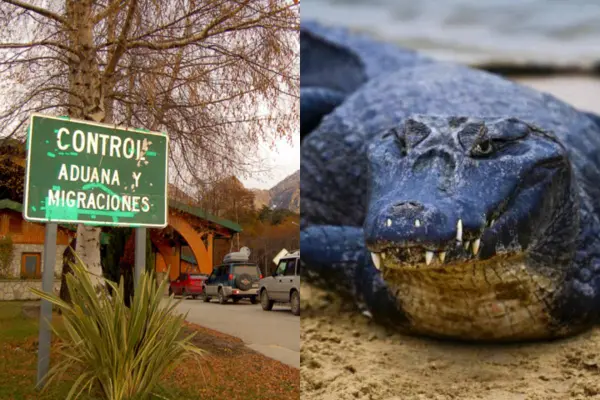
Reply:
x=24, y=232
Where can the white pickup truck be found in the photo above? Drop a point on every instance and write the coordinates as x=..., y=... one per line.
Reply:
x=284, y=285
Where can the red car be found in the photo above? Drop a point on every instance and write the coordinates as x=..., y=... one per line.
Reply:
x=187, y=285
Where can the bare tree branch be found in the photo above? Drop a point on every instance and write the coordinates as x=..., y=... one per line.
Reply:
x=214, y=73
x=45, y=43
x=121, y=44
x=114, y=6
x=39, y=10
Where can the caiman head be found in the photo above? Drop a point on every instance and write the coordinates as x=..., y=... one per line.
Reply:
x=455, y=190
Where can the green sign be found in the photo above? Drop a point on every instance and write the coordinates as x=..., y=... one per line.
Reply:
x=96, y=174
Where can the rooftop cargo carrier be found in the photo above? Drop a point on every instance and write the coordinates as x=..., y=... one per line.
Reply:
x=239, y=256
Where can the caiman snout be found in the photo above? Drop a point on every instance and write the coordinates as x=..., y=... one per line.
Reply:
x=407, y=205
x=415, y=231
x=413, y=223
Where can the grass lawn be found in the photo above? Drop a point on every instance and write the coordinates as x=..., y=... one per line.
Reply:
x=229, y=370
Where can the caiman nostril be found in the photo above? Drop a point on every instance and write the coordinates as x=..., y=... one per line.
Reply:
x=407, y=206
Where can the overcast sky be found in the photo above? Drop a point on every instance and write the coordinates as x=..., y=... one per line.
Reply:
x=282, y=161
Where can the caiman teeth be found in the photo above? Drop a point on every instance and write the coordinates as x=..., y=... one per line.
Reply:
x=389, y=222
x=492, y=223
x=476, y=243
x=459, y=230
x=428, y=257
x=403, y=255
x=442, y=255
x=417, y=223
x=376, y=260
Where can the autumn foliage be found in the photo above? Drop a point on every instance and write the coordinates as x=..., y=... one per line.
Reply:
x=265, y=231
x=12, y=171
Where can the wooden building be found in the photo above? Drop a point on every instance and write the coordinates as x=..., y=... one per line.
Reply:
x=25, y=241
x=189, y=227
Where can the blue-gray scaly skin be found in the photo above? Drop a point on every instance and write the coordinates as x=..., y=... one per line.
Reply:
x=479, y=198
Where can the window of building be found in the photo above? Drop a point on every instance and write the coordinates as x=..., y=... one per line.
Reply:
x=31, y=265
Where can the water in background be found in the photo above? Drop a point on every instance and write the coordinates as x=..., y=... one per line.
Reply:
x=546, y=31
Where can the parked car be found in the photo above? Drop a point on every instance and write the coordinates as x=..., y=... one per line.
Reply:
x=284, y=285
x=187, y=285
x=233, y=280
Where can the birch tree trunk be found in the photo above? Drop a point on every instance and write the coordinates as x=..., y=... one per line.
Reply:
x=88, y=249
x=87, y=102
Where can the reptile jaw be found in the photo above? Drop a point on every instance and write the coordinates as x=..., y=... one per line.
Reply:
x=418, y=257
x=415, y=257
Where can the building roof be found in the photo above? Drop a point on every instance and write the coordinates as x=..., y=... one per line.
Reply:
x=200, y=213
x=11, y=205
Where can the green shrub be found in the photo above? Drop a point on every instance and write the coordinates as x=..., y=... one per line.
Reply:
x=119, y=352
x=6, y=256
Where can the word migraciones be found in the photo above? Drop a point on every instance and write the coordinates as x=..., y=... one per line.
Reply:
x=100, y=201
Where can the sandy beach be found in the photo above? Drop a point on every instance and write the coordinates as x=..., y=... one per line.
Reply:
x=345, y=356
x=579, y=91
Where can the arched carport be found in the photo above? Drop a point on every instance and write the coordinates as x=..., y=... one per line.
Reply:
x=196, y=229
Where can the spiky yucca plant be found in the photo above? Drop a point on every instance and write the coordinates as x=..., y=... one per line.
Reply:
x=121, y=352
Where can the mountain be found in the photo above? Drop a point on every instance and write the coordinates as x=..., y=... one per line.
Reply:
x=285, y=194
x=229, y=192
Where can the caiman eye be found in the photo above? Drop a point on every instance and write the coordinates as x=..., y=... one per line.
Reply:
x=487, y=146
x=481, y=140
x=483, y=148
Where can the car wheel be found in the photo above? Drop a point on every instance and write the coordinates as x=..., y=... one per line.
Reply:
x=295, y=302
x=266, y=304
x=183, y=294
x=253, y=300
x=222, y=298
x=194, y=297
x=236, y=300
x=170, y=291
x=205, y=298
